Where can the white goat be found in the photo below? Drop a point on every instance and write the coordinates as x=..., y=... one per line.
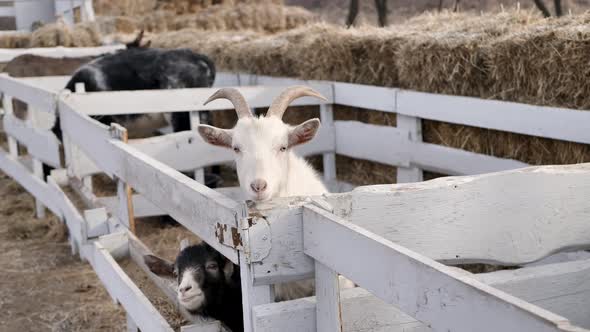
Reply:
x=266, y=165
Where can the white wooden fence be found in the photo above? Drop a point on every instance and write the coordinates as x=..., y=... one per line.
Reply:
x=27, y=12
x=389, y=239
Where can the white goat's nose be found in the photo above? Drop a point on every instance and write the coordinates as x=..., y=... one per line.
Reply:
x=258, y=185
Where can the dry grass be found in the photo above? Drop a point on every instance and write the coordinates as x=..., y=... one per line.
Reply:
x=45, y=287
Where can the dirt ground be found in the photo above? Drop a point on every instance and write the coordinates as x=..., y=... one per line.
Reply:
x=43, y=287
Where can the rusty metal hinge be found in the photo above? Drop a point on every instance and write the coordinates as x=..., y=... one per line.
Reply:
x=229, y=236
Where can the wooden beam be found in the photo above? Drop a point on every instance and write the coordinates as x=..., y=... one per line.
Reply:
x=126, y=292
x=560, y=288
x=182, y=100
x=428, y=291
x=507, y=218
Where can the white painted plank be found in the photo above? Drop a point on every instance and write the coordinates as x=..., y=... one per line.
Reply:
x=183, y=151
x=365, y=96
x=251, y=295
x=38, y=188
x=329, y=158
x=7, y=54
x=38, y=172
x=429, y=291
x=286, y=260
x=126, y=292
x=36, y=97
x=144, y=208
x=562, y=257
x=549, y=122
x=186, y=150
x=223, y=79
x=131, y=326
x=141, y=206
x=414, y=127
x=451, y=161
x=181, y=100
x=383, y=144
x=89, y=135
x=560, y=286
x=49, y=83
x=328, y=311
x=195, y=120
x=40, y=143
x=511, y=217
x=73, y=219
x=196, y=206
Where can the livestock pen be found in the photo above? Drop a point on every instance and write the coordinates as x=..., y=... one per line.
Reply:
x=391, y=240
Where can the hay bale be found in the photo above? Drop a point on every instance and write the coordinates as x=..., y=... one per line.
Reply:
x=195, y=6
x=15, y=40
x=85, y=35
x=59, y=34
x=544, y=64
x=218, y=45
x=51, y=35
x=124, y=7
x=450, y=60
x=265, y=18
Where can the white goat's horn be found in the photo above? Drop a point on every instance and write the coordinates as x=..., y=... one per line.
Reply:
x=236, y=98
x=280, y=104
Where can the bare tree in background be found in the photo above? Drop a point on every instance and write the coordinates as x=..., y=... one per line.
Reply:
x=543, y=8
x=353, y=10
x=455, y=7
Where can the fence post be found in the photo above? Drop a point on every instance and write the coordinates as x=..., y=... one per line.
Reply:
x=251, y=295
x=329, y=158
x=13, y=149
x=131, y=326
x=87, y=180
x=414, y=127
x=327, y=290
x=124, y=193
x=8, y=110
x=195, y=121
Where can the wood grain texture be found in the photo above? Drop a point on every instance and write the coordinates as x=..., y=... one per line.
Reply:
x=562, y=288
x=118, y=284
x=511, y=217
x=422, y=288
x=181, y=100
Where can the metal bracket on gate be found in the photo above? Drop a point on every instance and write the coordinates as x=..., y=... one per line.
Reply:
x=259, y=239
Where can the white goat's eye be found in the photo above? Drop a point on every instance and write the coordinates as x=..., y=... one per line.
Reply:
x=236, y=149
x=283, y=148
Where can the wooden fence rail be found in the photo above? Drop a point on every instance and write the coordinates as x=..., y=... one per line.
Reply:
x=391, y=240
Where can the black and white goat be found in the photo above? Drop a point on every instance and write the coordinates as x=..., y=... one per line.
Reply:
x=208, y=283
x=141, y=68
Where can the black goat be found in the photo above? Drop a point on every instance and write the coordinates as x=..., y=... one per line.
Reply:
x=208, y=283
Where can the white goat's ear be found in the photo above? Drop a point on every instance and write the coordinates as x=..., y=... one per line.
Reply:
x=159, y=266
x=304, y=132
x=184, y=243
x=216, y=136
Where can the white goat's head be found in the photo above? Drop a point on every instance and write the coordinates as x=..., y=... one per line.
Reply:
x=262, y=145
